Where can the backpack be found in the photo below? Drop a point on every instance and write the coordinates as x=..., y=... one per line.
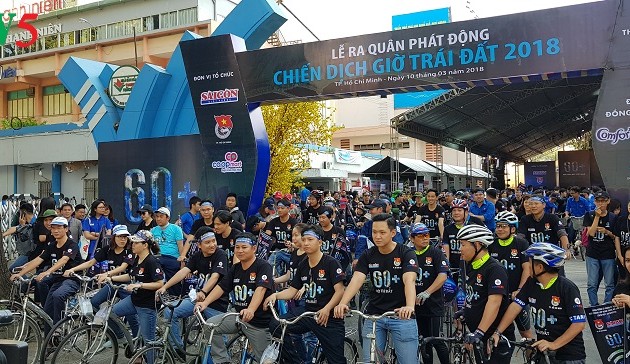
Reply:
x=24, y=244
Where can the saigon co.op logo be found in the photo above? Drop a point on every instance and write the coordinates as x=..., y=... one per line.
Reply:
x=231, y=164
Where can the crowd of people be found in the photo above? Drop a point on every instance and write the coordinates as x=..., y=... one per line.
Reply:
x=324, y=251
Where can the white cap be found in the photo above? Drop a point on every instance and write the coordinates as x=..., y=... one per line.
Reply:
x=120, y=230
x=163, y=210
x=59, y=221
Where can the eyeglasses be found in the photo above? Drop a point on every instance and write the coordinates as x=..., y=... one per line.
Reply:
x=422, y=235
x=503, y=226
x=122, y=236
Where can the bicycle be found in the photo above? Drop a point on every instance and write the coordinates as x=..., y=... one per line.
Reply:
x=457, y=349
x=239, y=350
x=163, y=351
x=273, y=352
x=95, y=342
x=28, y=319
x=377, y=356
x=78, y=312
x=350, y=350
x=530, y=354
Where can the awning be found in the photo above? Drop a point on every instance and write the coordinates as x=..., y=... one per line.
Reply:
x=514, y=121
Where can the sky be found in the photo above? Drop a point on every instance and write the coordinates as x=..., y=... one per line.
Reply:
x=329, y=19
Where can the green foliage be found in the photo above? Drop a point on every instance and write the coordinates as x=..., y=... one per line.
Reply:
x=19, y=123
x=289, y=126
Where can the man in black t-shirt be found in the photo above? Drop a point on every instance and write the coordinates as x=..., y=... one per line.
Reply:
x=432, y=273
x=250, y=282
x=450, y=244
x=432, y=215
x=311, y=214
x=322, y=277
x=61, y=254
x=600, y=252
x=622, y=240
x=208, y=266
x=486, y=292
x=412, y=212
x=559, y=317
x=393, y=270
x=508, y=250
x=280, y=229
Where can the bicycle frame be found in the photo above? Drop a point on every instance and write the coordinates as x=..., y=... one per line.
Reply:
x=375, y=356
x=208, y=346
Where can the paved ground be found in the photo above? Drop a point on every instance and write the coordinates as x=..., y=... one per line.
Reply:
x=576, y=271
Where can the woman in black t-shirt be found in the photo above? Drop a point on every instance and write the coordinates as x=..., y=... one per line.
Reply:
x=109, y=261
x=146, y=277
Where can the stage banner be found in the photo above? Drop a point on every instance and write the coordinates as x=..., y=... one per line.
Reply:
x=415, y=20
x=574, y=168
x=453, y=55
x=540, y=174
x=611, y=122
x=607, y=324
x=235, y=148
x=157, y=171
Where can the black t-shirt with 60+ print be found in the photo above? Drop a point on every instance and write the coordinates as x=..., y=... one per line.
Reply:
x=386, y=273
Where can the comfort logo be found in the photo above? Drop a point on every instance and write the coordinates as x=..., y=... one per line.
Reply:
x=219, y=97
x=599, y=324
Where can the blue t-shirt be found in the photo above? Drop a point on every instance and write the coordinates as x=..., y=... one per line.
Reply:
x=94, y=225
x=167, y=238
x=187, y=220
x=487, y=210
x=578, y=208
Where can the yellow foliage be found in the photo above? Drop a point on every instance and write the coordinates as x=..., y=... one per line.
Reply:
x=289, y=126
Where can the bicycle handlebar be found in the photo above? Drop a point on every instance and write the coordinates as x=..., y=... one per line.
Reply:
x=168, y=300
x=213, y=325
x=294, y=320
x=83, y=278
x=374, y=317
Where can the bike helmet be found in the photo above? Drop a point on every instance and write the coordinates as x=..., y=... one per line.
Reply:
x=548, y=253
x=419, y=229
x=458, y=202
x=507, y=217
x=476, y=234
x=449, y=289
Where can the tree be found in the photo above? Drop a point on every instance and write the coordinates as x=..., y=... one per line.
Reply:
x=289, y=127
x=582, y=142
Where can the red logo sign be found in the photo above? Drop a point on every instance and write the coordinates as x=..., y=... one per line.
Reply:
x=7, y=19
x=224, y=126
x=231, y=156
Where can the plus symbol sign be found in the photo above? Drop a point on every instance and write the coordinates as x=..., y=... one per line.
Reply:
x=320, y=289
x=395, y=278
x=426, y=274
x=511, y=266
x=552, y=319
x=547, y=237
x=250, y=293
x=186, y=194
x=475, y=296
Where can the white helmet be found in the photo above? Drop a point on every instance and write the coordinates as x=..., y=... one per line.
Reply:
x=476, y=234
x=507, y=217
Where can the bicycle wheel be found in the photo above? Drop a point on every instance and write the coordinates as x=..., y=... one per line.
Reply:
x=57, y=333
x=236, y=347
x=152, y=354
x=25, y=329
x=194, y=338
x=87, y=344
x=350, y=352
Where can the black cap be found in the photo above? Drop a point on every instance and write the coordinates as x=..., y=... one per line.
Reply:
x=146, y=208
x=602, y=194
x=377, y=203
x=493, y=193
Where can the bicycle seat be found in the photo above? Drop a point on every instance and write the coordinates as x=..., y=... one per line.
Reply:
x=6, y=317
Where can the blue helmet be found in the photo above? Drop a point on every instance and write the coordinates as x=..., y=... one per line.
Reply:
x=449, y=289
x=419, y=229
x=548, y=253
